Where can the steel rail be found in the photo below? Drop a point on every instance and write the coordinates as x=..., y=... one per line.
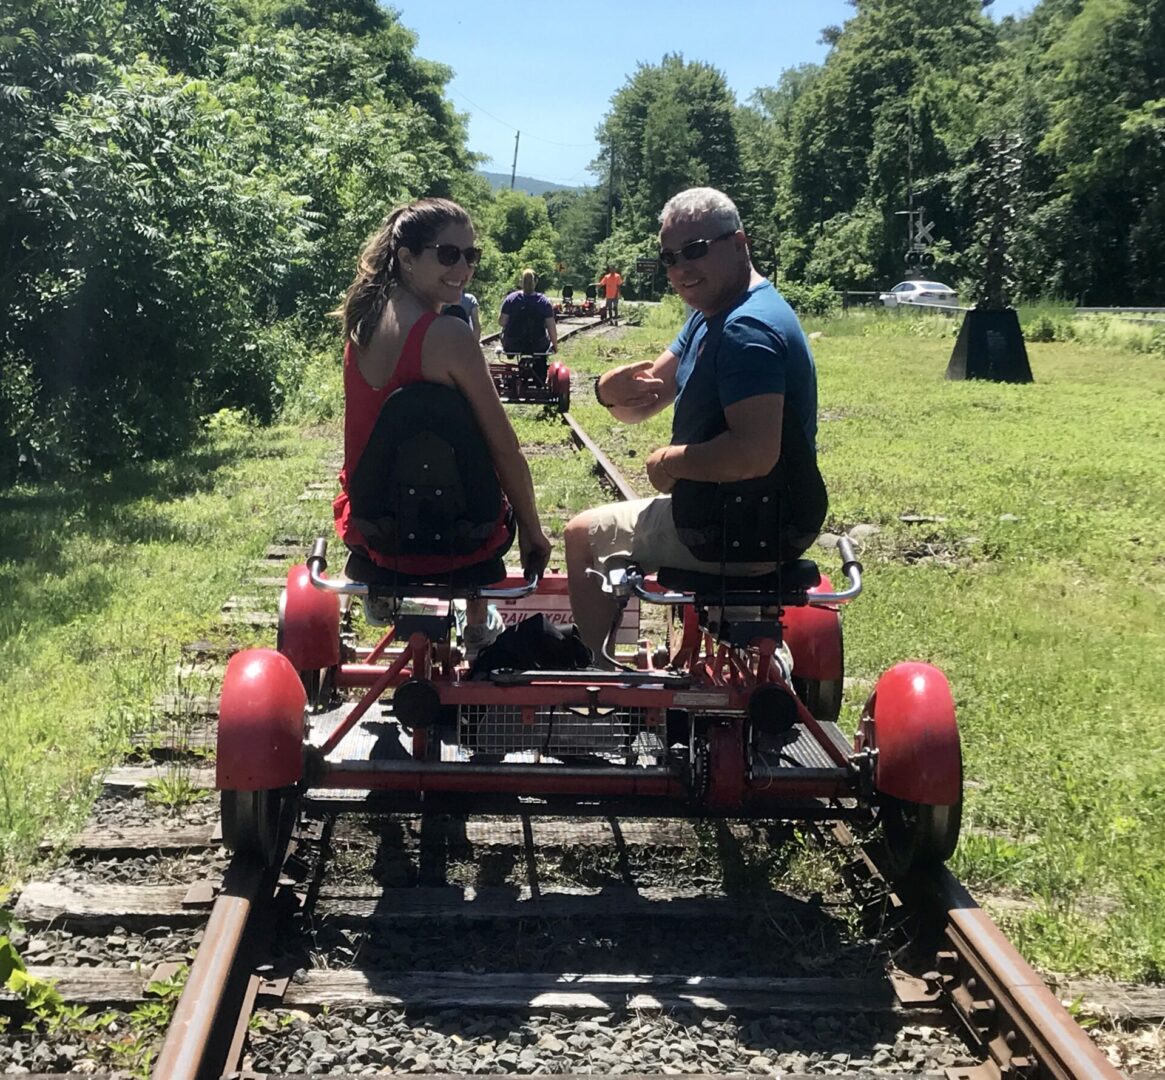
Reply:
x=199, y=1010
x=1001, y=999
x=569, y=331
x=1009, y=1014
x=581, y=438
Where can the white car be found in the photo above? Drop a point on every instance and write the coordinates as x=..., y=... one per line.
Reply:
x=918, y=292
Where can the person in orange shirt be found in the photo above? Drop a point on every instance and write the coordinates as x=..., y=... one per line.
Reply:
x=611, y=282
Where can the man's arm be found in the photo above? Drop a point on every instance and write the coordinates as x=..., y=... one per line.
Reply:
x=552, y=332
x=635, y=392
x=750, y=447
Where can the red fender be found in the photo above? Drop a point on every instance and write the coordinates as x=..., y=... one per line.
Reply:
x=309, y=623
x=910, y=720
x=260, y=723
x=552, y=375
x=813, y=635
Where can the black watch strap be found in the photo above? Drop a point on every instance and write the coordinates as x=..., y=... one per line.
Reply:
x=598, y=398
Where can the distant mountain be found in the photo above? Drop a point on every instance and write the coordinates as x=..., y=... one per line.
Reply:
x=501, y=181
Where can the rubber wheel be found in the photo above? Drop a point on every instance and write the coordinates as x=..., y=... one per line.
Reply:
x=320, y=686
x=250, y=823
x=563, y=392
x=917, y=835
x=822, y=697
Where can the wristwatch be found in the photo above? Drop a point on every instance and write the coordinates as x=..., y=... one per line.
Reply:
x=598, y=398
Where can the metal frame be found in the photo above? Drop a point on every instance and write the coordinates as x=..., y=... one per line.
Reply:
x=616, y=719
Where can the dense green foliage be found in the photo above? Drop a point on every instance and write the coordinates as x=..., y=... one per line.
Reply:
x=1036, y=146
x=184, y=185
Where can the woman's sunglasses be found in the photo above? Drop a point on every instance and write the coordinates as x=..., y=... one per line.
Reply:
x=692, y=251
x=448, y=254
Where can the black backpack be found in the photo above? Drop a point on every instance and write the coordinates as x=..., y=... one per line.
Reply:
x=425, y=483
x=534, y=644
x=526, y=329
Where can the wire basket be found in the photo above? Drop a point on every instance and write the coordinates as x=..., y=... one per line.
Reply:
x=626, y=734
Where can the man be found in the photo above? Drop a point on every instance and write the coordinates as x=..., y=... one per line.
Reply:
x=527, y=320
x=611, y=282
x=745, y=391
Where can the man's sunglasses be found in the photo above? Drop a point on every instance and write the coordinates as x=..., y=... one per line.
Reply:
x=448, y=254
x=692, y=251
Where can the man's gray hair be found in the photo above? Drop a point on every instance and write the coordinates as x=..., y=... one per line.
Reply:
x=700, y=204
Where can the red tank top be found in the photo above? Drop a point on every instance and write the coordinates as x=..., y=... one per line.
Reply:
x=362, y=405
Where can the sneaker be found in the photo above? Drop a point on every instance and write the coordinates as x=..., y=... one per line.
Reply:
x=784, y=657
x=476, y=638
x=378, y=610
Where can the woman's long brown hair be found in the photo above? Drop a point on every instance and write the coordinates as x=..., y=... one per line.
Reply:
x=378, y=269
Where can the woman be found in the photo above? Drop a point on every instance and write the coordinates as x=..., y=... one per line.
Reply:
x=527, y=321
x=418, y=263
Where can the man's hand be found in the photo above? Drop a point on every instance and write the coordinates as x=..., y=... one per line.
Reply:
x=660, y=478
x=630, y=386
x=533, y=550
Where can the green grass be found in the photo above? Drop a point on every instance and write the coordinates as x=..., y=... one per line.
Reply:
x=1039, y=587
x=102, y=581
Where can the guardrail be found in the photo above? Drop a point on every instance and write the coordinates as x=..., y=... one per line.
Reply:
x=1114, y=309
x=861, y=298
x=857, y=298
x=946, y=309
x=1119, y=313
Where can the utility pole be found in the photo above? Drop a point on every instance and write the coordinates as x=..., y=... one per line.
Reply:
x=514, y=167
x=920, y=231
x=610, y=187
x=910, y=159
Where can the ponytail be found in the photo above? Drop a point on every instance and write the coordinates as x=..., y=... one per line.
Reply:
x=378, y=270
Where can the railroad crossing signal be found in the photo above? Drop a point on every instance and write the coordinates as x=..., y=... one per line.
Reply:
x=921, y=238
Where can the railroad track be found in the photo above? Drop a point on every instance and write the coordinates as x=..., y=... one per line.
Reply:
x=520, y=945
x=567, y=328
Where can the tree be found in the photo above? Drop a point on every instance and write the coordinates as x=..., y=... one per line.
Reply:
x=1107, y=141
x=518, y=226
x=579, y=217
x=670, y=127
x=882, y=117
x=172, y=241
x=764, y=132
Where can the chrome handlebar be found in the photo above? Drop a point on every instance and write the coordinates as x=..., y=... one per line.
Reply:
x=317, y=563
x=626, y=581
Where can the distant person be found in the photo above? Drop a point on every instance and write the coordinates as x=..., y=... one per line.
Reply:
x=527, y=321
x=612, y=282
x=469, y=306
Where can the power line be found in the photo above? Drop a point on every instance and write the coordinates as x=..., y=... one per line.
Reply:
x=514, y=127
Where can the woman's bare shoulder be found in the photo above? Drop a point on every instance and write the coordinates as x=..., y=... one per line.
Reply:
x=449, y=347
x=449, y=334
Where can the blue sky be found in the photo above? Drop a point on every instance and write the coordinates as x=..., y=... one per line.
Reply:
x=550, y=70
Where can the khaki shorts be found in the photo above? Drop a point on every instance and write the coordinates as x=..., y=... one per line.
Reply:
x=643, y=532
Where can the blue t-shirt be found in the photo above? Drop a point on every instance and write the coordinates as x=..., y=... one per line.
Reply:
x=755, y=347
x=525, y=329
